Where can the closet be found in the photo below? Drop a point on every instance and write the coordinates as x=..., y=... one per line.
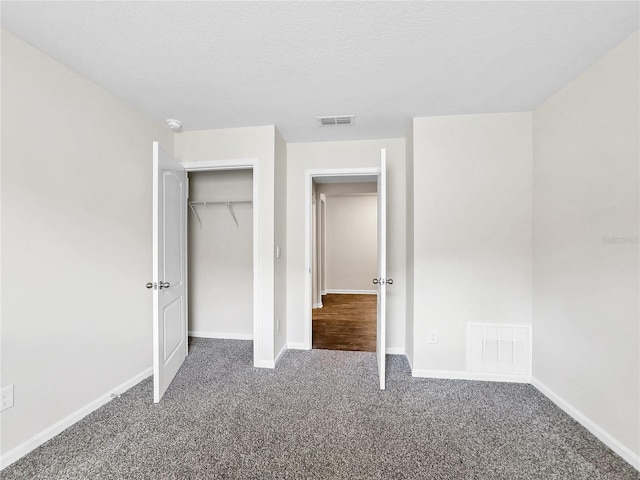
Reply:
x=220, y=254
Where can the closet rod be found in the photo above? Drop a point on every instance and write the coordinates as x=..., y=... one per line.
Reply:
x=206, y=204
x=229, y=205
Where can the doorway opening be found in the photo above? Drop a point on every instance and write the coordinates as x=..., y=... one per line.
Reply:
x=235, y=182
x=351, y=175
x=220, y=243
x=344, y=262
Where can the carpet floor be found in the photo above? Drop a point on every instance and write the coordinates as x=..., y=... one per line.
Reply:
x=319, y=415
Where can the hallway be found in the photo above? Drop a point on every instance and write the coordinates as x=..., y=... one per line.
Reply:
x=345, y=322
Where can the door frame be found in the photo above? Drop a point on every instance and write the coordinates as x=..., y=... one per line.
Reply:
x=322, y=247
x=241, y=164
x=308, y=284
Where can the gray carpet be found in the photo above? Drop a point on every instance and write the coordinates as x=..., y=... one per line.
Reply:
x=319, y=415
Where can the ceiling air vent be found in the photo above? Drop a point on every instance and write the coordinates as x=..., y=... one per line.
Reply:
x=336, y=120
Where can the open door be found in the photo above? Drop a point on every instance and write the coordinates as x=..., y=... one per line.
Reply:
x=169, y=269
x=382, y=281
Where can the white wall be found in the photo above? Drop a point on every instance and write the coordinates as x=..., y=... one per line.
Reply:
x=472, y=230
x=221, y=256
x=280, y=219
x=586, y=290
x=76, y=241
x=247, y=143
x=409, y=327
x=351, y=242
x=325, y=190
x=347, y=188
x=366, y=153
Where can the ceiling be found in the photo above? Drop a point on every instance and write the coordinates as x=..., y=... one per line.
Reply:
x=237, y=64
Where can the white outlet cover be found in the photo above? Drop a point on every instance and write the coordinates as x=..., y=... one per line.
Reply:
x=6, y=396
x=432, y=336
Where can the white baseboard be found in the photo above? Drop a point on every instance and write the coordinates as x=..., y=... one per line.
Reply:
x=34, y=442
x=280, y=353
x=221, y=335
x=297, y=346
x=395, y=351
x=353, y=292
x=605, y=437
x=317, y=305
x=271, y=363
x=323, y=292
x=464, y=375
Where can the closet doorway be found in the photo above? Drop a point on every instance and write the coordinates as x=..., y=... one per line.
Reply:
x=170, y=280
x=242, y=174
x=344, y=250
x=220, y=254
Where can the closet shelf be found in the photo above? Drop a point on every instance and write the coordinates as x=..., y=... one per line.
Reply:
x=229, y=205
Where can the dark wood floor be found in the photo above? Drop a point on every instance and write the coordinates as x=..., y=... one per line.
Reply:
x=345, y=322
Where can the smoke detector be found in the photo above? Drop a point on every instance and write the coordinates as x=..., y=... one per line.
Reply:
x=174, y=124
x=336, y=120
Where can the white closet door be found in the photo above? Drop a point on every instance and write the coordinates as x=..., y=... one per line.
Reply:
x=169, y=269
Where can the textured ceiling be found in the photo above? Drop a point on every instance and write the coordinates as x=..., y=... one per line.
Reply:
x=219, y=64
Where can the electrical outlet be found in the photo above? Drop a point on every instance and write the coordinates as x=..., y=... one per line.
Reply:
x=6, y=395
x=432, y=336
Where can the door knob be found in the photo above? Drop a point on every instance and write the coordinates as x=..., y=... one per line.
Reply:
x=151, y=285
x=162, y=285
x=376, y=281
x=389, y=281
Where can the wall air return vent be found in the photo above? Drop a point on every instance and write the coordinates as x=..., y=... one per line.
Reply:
x=336, y=120
x=499, y=348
